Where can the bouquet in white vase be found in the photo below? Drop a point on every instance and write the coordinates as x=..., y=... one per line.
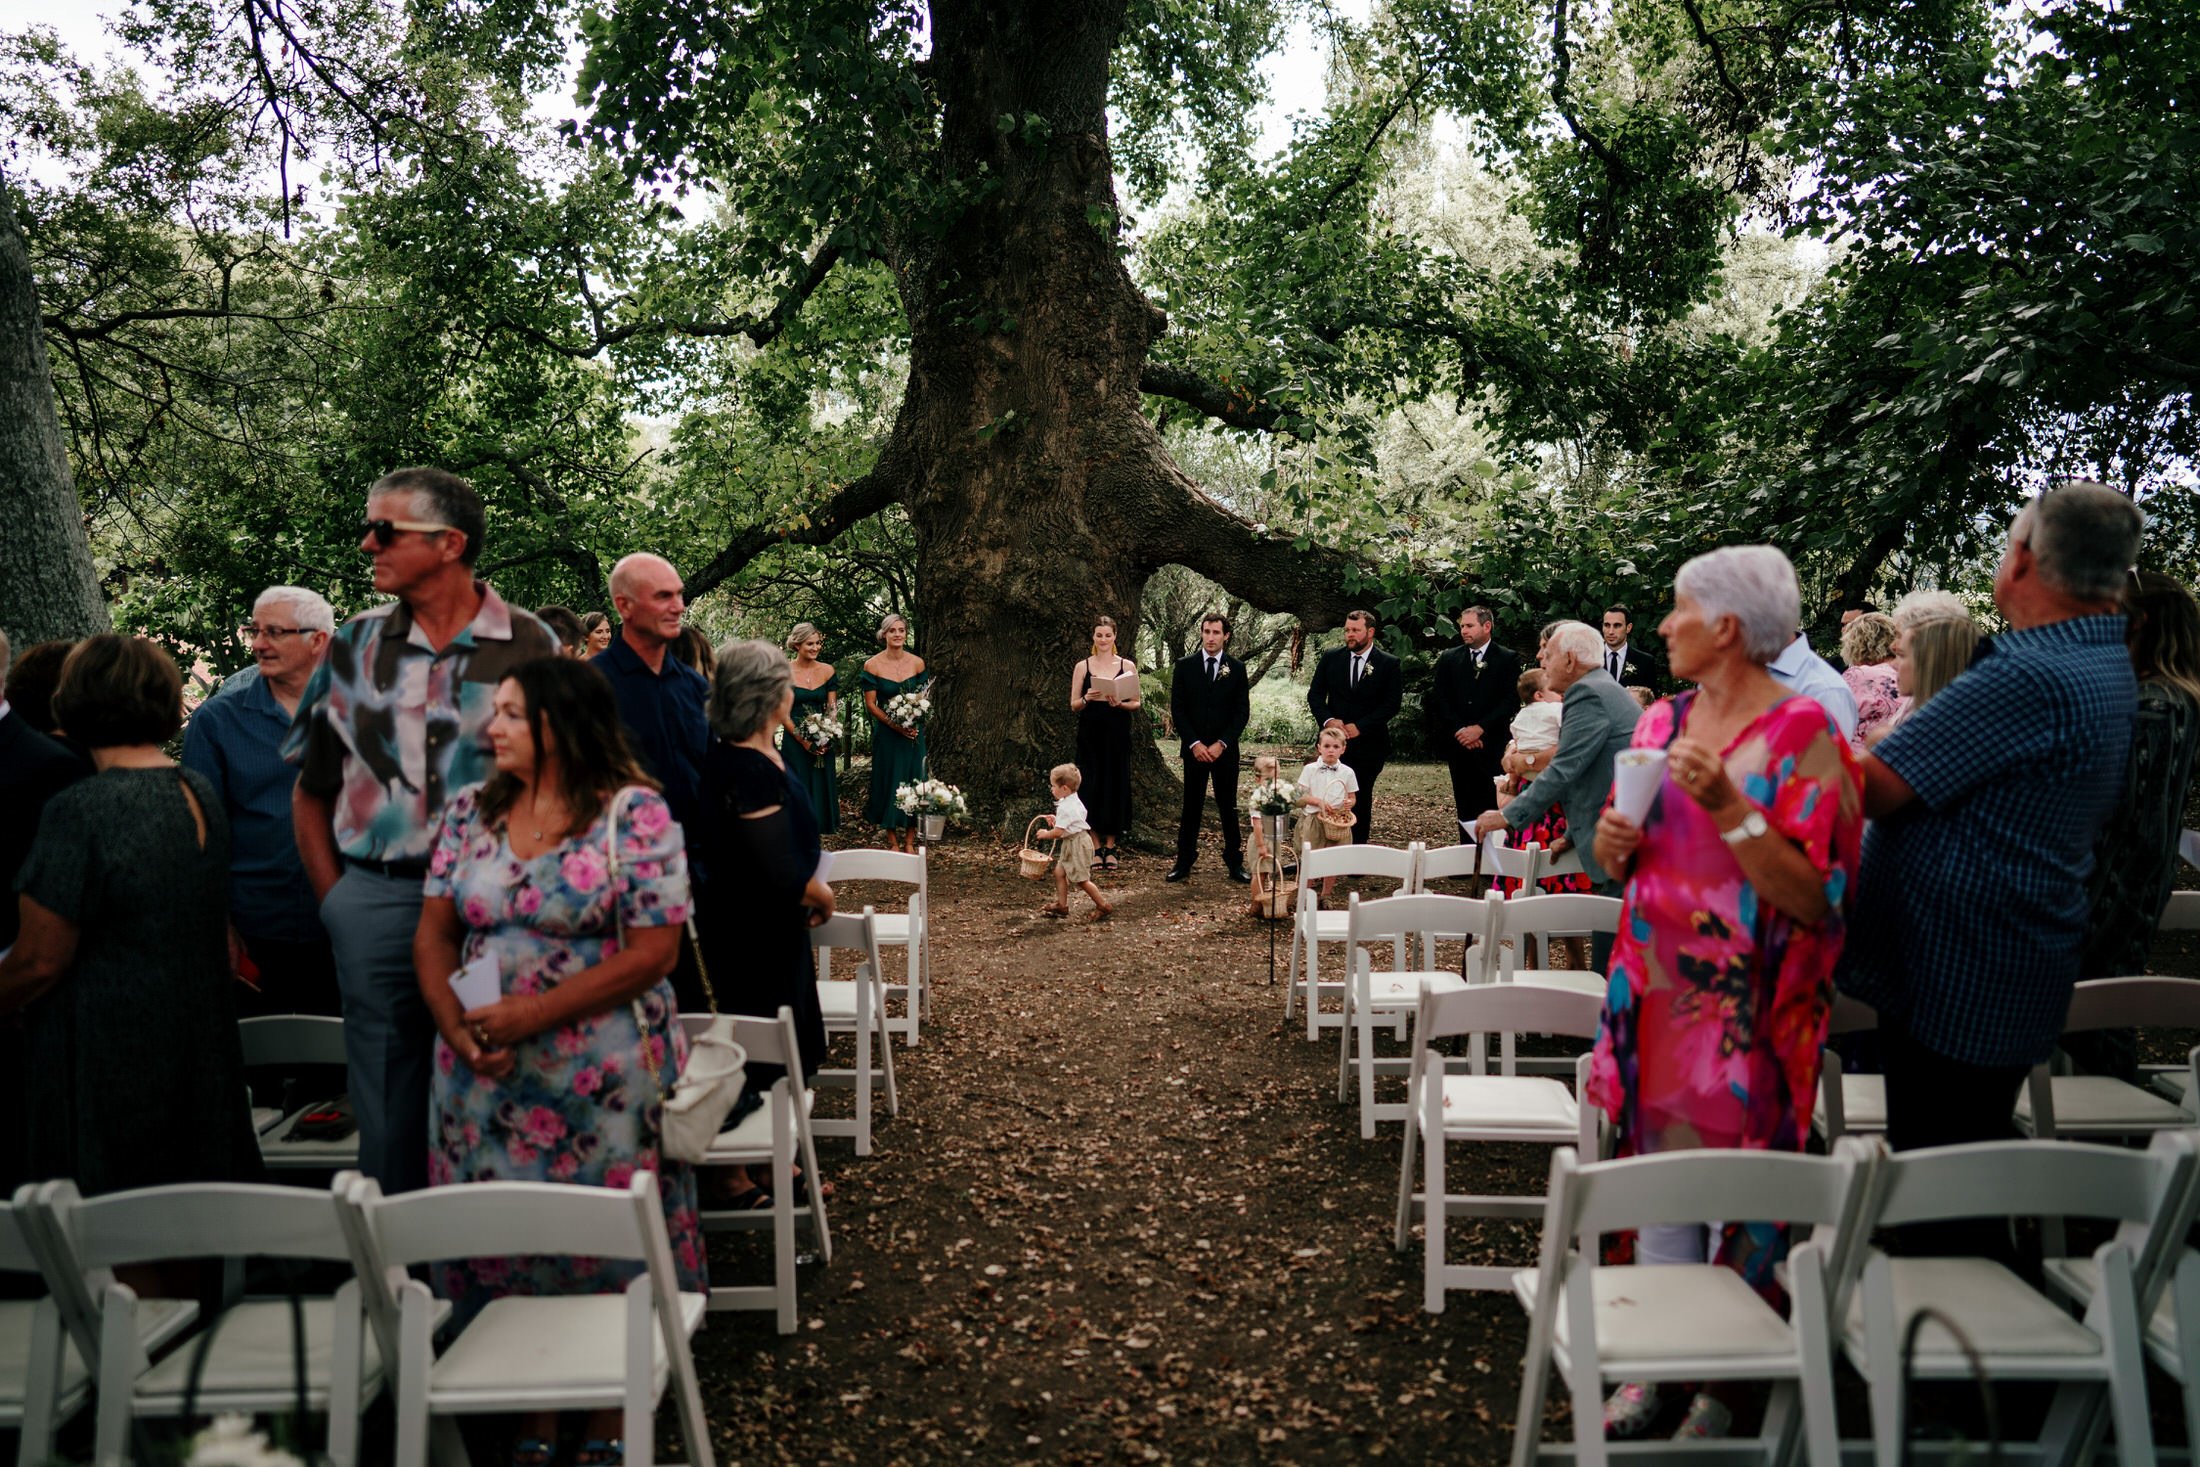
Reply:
x=932, y=797
x=909, y=710
x=1274, y=797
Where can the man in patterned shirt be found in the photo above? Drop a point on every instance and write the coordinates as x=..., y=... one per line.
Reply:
x=388, y=729
x=1985, y=803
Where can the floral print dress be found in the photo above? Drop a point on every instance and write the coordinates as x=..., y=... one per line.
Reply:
x=1715, y=1016
x=584, y=1104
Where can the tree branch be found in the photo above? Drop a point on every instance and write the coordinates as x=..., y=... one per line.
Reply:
x=1562, y=61
x=1746, y=113
x=857, y=500
x=1187, y=527
x=761, y=331
x=1233, y=405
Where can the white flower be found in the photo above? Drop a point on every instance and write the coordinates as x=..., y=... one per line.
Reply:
x=820, y=730
x=231, y=1442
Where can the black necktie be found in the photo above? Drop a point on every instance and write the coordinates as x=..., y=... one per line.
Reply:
x=1211, y=668
x=1611, y=663
x=1355, y=670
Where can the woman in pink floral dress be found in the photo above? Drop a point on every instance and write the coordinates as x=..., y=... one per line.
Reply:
x=563, y=1078
x=1722, y=976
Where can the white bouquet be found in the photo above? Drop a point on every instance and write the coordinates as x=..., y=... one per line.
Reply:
x=820, y=730
x=909, y=710
x=932, y=797
x=1277, y=797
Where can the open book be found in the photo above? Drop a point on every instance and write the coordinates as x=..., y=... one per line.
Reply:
x=1122, y=688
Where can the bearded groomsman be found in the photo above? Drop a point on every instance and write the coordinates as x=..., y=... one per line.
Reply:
x=1473, y=701
x=1359, y=686
x=1210, y=706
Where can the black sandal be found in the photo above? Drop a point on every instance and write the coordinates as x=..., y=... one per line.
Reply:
x=533, y=1451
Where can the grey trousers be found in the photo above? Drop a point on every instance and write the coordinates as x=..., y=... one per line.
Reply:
x=389, y=1039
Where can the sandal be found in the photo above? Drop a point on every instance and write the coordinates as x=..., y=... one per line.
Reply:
x=1101, y=914
x=1107, y=860
x=602, y=1453
x=1630, y=1409
x=1708, y=1419
x=533, y=1451
x=1053, y=911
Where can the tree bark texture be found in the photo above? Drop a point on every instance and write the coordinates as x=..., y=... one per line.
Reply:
x=48, y=586
x=1040, y=493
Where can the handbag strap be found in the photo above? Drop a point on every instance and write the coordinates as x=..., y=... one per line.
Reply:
x=618, y=926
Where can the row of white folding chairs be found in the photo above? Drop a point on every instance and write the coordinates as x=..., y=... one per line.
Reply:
x=1693, y=1322
x=909, y=929
x=2050, y=1105
x=92, y=1334
x=1413, y=868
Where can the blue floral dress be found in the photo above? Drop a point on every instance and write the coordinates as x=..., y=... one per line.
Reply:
x=584, y=1104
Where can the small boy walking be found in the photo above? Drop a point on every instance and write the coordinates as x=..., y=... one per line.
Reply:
x=1073, y=857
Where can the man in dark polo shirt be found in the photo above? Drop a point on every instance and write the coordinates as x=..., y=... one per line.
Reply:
x=661, y=702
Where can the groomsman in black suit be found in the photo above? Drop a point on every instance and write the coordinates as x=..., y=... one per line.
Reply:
x=1210, y=704
x=1477, y=692
x=1360, y=686
x=1629, y=665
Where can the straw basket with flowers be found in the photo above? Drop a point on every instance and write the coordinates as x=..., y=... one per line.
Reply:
x=1031, y=861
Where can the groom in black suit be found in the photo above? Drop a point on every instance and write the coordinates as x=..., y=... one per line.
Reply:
x=1360, y=686
x=1210, y=704
x=1471, y=706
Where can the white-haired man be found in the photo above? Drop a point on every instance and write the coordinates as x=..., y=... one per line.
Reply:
x=237, y=743
x=1596, y=720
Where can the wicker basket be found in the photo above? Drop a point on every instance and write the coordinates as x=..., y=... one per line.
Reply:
x=1031, y=862
x=1278, y=901
x=1335, y=819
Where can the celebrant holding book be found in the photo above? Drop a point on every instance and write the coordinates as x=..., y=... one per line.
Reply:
x=1104, y=694
x=891, y=680
x=813, y=733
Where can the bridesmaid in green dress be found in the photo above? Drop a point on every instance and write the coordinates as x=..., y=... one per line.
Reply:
x=813, y=693
x=897, y=753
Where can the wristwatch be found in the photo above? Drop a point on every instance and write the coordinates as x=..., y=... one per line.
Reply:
x=1753, y=825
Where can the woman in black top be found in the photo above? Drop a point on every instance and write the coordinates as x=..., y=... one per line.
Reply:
x=760, y=847
x=135, y=1073
x=1104, y=743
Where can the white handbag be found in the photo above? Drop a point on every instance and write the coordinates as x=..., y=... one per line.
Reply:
x=698, y=1101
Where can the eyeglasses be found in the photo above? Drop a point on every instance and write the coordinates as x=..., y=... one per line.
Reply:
x=249, y=631
x=384, y=531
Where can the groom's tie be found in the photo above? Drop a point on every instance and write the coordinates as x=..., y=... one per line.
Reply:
x=1211, y=663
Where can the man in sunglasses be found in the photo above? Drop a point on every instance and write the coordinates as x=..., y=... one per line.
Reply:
x=388, y=728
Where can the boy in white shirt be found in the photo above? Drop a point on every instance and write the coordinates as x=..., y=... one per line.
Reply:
x=1328, y=785
x=1073, y=858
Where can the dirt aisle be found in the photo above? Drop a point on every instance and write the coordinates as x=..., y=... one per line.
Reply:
x=1120, y=1218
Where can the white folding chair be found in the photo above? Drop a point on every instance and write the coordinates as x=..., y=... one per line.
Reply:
x=258, y=1347
x=1515, y=1109
x=1311, y=926
x=1664, y=1322
x=43, y=1381
x=541, y=1352
x=856, y=1007
x=2016, y=1332
x=770, y=1136
x=2102, y=1106
x=909, y=930
x=1848, y=1104
x=2181, y=913
x=1445, y=863
x=1388, y=996
x=296, y=1039
x=1526, y=864
x=2188, y=846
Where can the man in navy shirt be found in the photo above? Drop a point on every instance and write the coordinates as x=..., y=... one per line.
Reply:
x=1985, y=803
x=236, y=740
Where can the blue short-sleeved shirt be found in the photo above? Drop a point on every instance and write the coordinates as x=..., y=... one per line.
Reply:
x=665, y=720
x=1971, y=904
x=235, y=739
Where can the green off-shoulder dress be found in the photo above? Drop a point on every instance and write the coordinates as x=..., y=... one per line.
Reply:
x=821, y=777
x=895, y=761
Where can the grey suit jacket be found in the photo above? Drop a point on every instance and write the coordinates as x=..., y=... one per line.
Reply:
x=1595, y=723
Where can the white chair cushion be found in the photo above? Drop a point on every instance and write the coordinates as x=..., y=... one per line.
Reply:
x=15, y=1358
x=1673, y=1311
x=2001, y=1313
x=550, y=1346
x=1332, y=926
x=1404, y=990
x=2103, y=1103
x=751, y=1141
x=2176, y=1084
x=1863, y=1104
x=892, y=928
x=1569, y=980
x=252, y=1351
x=837, y=1001
x=2079, y=1277
x=1526, y=1103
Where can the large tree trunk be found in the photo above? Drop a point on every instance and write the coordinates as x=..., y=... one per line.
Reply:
x=1040, y=493
x=48, y=587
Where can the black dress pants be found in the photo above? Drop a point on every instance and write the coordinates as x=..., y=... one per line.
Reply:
x=1933, y=1100
x=1223, y=774
x=1473, y=784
